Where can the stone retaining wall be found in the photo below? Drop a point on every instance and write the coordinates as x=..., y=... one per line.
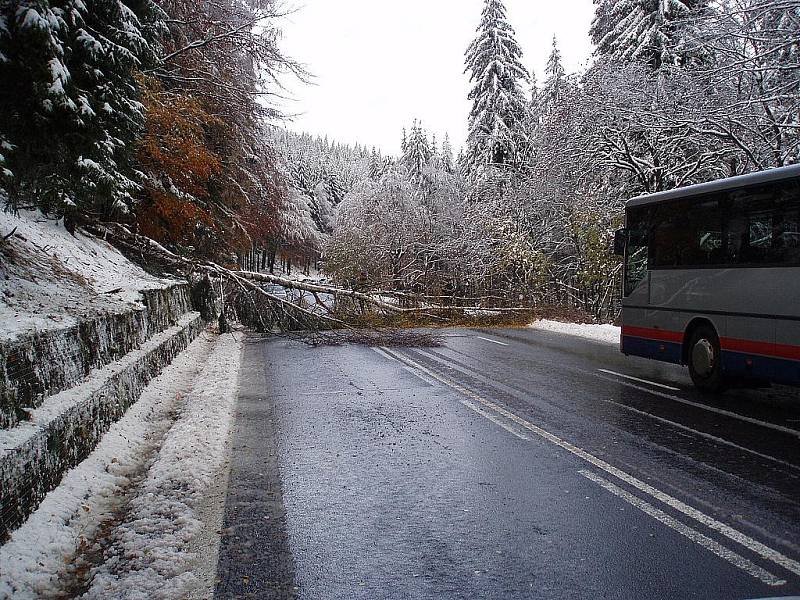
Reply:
x=35, y=455
x=39, y=365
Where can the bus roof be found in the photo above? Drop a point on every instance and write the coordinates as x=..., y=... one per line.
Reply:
x=768, y=176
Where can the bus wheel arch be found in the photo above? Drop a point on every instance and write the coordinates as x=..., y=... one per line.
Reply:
x=702, y=353
x=687, y=335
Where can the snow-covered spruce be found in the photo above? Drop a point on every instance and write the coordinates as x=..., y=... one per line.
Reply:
x=137, y=499
x=646, y=31
x=72, y=100
x=494, y=63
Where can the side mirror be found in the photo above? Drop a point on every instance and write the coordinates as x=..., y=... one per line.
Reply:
x=620, y=241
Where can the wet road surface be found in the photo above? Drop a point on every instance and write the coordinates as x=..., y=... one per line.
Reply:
x=505, y=464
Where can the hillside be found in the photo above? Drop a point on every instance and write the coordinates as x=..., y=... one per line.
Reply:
x=51, y=279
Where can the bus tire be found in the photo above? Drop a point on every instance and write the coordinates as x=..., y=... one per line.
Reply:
x=705, y=360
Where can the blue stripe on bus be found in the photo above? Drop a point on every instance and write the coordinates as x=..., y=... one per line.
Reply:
x=779, y=370
x=655, y=349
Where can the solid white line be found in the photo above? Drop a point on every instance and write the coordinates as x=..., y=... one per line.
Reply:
x=419, y=375
x=396, y=358
x=494, y=419
x=702, y=434
x=726, y=530
x=694, y=535
x=661, y=385
x=493, y=341
x=384, y=354
x=719, y=411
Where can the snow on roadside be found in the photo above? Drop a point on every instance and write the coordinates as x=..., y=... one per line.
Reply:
x=161, y=462
x=607, y=334
x=151, y=554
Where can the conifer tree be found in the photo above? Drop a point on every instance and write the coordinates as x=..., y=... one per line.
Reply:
x=646, y=31
x=493, y=60
x=534, y=104
x=418, y=152
x=69, y=101
x=555, y=82
x=447, y=154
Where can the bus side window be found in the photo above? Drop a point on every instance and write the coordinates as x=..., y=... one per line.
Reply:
x=750, y=237
x=789, y=237
x=670, y=235
x=704, y=225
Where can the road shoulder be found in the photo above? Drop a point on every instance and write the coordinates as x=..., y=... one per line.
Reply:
x=255, y=559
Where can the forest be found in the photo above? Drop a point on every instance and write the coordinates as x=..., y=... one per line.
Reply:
x=164, y=118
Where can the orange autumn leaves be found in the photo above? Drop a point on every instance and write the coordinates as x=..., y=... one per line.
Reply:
x=176, y=154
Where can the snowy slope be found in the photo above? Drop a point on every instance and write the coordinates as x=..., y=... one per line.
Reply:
x=48, y=278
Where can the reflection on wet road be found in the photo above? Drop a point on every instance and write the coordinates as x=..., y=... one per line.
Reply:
x=505, y=464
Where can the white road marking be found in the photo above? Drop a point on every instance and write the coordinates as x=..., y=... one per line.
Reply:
x=384, y=351
x=419, y=375
x=384, y=354
x=442, y=360
x=661, y=385
x=485, y=339
x=694, y=535
x=726, y=530
x=702, y=434
x=494, y=419
x=719, y=411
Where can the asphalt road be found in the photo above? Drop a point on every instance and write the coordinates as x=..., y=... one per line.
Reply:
x=505, y=464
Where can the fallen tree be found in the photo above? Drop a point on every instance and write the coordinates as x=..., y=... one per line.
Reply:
x=268, y=303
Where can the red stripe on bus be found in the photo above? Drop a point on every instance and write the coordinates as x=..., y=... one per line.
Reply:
x=661, y=335
x=730, y=344
x=763, y=348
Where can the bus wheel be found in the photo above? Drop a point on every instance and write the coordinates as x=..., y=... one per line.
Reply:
x=705, y=360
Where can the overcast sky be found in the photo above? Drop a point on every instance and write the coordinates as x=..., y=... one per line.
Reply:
x=378, y=65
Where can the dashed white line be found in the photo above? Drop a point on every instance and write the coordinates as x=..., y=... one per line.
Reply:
x=708, y=436
x=694, y=535
x=485, y=339
x=631, y=377
x=719, y=411
x=737, y=536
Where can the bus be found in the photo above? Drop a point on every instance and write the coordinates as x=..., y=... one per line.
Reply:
x=712, y=279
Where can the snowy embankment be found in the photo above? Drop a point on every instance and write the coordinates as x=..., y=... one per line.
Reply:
x=125, y=522
x=607, y=334
x=52, y=279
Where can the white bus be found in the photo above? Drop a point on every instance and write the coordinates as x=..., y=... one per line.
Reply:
x=712, y=278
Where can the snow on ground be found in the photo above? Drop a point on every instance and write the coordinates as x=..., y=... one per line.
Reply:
x=48, y=278
x=137, y=501
x=608, y=334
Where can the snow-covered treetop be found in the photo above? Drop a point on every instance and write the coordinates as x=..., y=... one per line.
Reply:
x=494, y=61
x=554, y=83
x=417, y=150
x=644, y=31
